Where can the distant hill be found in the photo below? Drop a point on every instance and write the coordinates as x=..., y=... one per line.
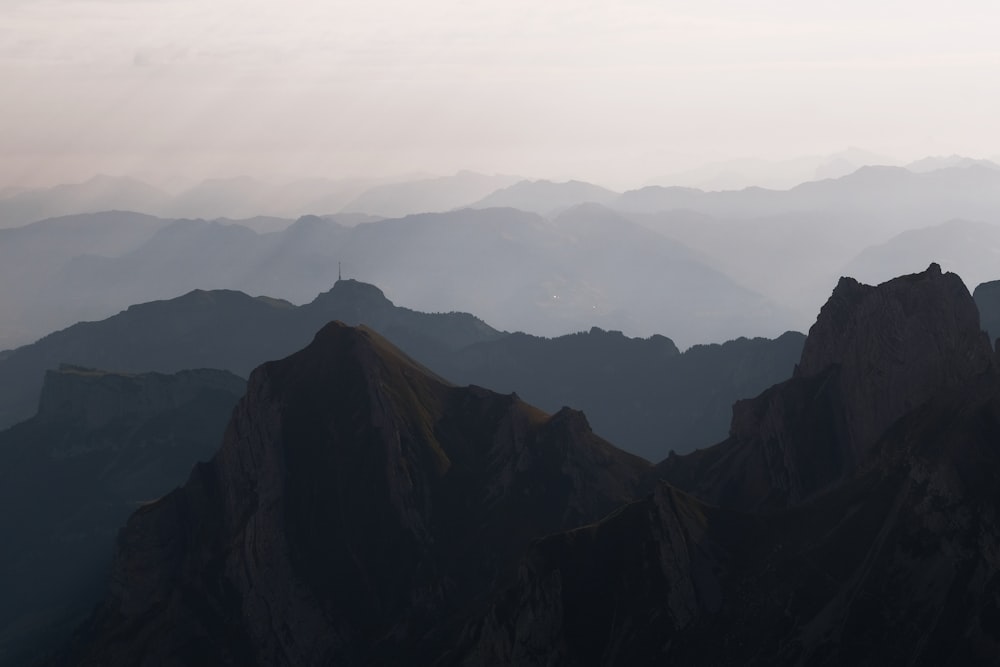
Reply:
x=773, y=174
x=517, y=270
x=546, y=197
x=933, y=163
x=970, y=249
x=100, y=193
x=394, y=200
x=100, y=446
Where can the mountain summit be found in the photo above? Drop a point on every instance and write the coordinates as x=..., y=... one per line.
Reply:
x=358, y=508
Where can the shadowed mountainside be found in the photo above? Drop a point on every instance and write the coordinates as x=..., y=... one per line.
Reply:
x=349, y=468
x=433, y=491
x=100, y=445
x=876, y=463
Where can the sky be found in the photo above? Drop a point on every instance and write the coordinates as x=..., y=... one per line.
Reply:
x=611, y=92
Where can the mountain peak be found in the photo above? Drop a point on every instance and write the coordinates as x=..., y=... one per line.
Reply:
x=895, y=345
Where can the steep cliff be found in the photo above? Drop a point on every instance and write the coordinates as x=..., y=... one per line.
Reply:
x=873, y=355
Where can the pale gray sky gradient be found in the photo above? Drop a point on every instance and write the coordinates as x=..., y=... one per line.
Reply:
x=612, y=92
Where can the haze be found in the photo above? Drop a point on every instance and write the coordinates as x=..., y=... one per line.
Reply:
x=173, y=91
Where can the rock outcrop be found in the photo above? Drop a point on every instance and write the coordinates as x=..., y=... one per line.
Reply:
x=874, y=355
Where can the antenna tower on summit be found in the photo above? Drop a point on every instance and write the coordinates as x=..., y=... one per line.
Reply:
x=338, y=272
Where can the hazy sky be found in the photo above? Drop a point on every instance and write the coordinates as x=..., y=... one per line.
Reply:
x=614, y=92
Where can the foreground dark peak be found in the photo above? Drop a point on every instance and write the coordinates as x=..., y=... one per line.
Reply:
x=874, y=355
x=877, y=529
x=359, y=509
x=895, y=346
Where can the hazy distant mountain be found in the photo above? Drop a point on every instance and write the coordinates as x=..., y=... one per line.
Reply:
x=935, y=162
x=761, y=237
x=100, y=193
x=517, y=270
x=394, y=200
x=545, y=197
x=970, y=249
x=33, y=255
x=386, y=517
x=774, y=174
x=100, y=445
x=239, y=197
x=898, y=195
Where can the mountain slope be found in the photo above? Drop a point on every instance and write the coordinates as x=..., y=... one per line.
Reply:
x=875, y=466
x=100, y=445
x=874, y=354
x=358, y=507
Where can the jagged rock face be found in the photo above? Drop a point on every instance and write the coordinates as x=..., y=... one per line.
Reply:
x=896, y=345
x=101, y=444
x=874, y=355
x=358, y=509
x=898, y=566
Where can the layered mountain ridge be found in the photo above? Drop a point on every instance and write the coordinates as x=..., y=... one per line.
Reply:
x=642, y=393
x=363, y=510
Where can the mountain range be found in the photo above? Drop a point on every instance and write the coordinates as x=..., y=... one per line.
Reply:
x=363, y=510
x=568, y=276
x=644, y=393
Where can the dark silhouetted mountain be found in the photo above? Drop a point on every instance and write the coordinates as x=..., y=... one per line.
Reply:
x=878, y=463
x=874, y=355
x=100, y=445
x=359, y=509
x=393, y=200
x=987, y=297
x=641, y=392
x=970, y=249
x=100, y=193
x=546, y=197
x=363, y=511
